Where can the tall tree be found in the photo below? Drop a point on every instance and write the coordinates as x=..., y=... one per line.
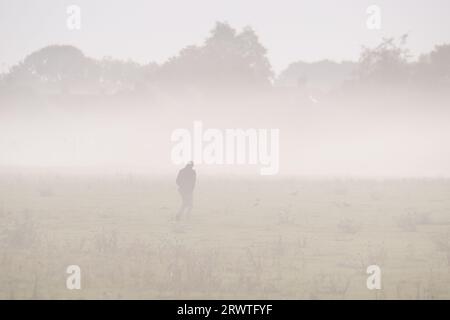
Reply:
x=226, y=59
x=433, y=69
x=387, y=63
x=61, y=66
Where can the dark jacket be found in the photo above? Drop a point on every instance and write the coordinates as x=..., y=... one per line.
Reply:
x=186, y=179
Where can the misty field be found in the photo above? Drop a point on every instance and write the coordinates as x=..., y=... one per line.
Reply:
x=288, y=238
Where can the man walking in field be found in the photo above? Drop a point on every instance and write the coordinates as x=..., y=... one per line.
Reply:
x=186, y=184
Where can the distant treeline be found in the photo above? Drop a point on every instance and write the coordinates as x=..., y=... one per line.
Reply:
x=227, y=60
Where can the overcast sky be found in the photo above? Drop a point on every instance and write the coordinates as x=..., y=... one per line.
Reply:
x=147, y=30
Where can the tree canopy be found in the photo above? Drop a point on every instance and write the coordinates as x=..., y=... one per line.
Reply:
x=227, y=59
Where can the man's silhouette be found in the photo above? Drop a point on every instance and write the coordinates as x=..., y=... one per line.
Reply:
x=186, y=183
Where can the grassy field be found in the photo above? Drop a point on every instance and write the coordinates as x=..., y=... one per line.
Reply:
x=247, y=238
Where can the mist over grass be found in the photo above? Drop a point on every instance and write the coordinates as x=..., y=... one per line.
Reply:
x=86, y=175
